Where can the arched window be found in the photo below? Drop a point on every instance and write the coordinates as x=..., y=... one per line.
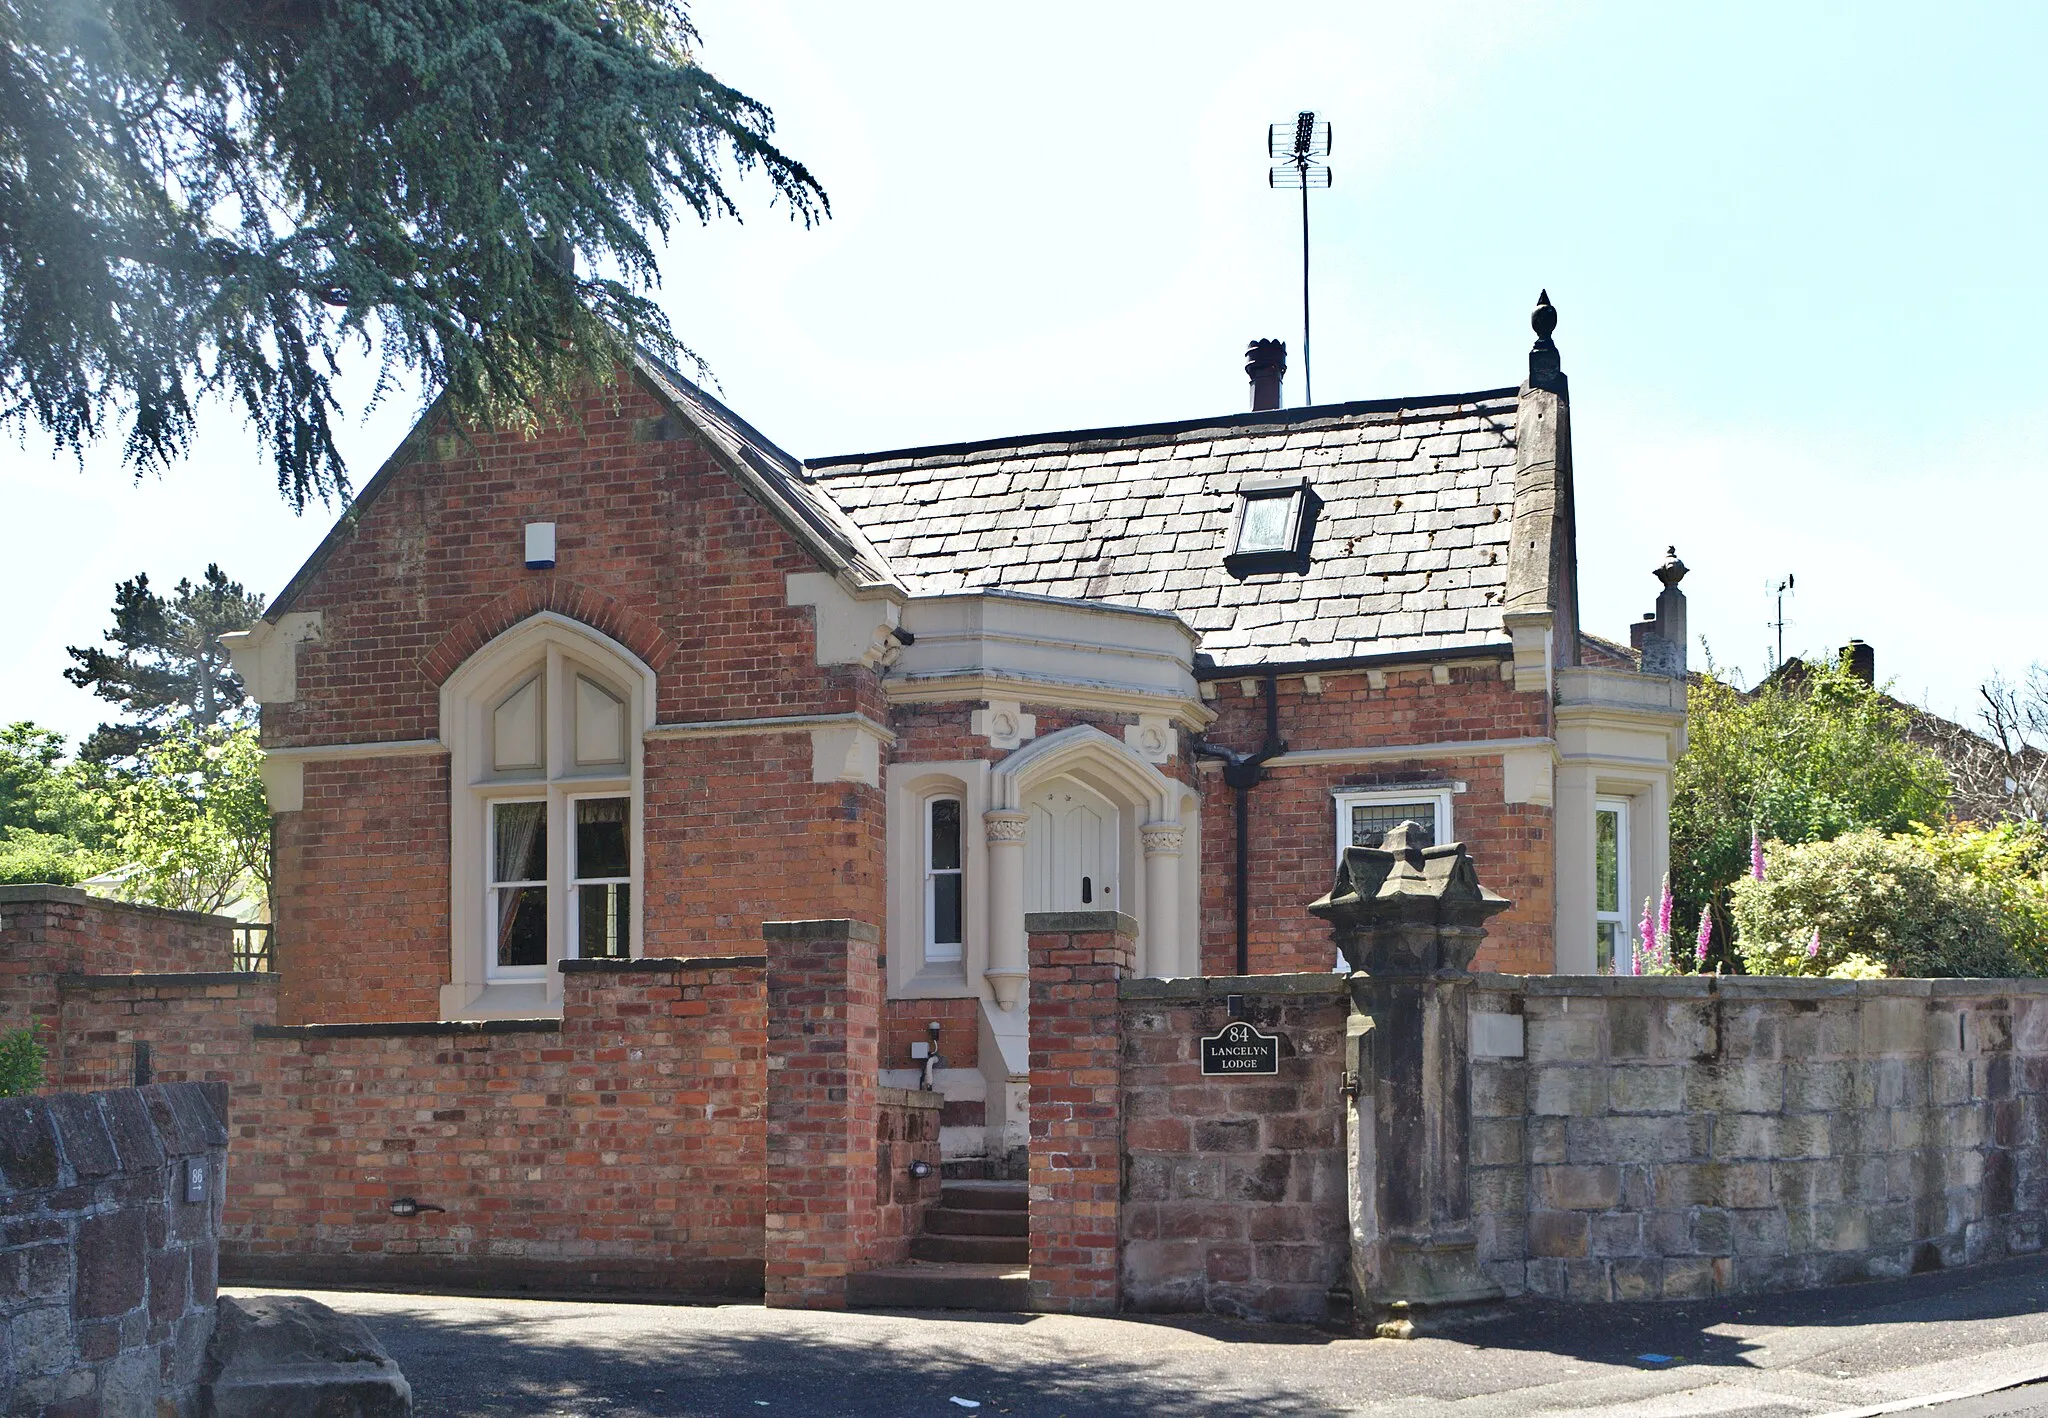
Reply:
x=544, y=728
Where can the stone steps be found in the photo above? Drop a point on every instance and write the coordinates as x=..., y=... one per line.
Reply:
x=974, y=1254
x=940, y=1285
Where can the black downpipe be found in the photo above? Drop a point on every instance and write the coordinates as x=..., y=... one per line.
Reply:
x=1243, y=772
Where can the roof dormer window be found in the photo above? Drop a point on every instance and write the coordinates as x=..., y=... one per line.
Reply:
x=1275, y=524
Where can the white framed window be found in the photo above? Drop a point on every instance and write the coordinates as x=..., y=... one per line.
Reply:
x=944, y=881
x=1366, y=815
x=601, y=880
x=544, y=728
x=1613, y=938
x=517, y=902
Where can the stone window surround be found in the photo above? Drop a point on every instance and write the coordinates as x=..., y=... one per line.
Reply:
x=1439, y=792
x=566, y=648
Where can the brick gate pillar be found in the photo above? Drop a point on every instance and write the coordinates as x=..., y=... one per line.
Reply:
x=1077, y=958
x=824, y=1023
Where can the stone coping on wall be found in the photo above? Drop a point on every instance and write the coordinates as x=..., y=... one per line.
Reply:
x=664, y=963
x=909, y=1098
x=169, y=979
x=830, y=929
x=409, y=1029
x=1206, y=987
x=36, y=892
x=1756, y=986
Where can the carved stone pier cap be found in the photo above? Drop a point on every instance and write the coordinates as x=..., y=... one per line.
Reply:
x=1405, y=909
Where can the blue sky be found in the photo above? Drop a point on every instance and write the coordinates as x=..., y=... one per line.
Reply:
x=1796, y=251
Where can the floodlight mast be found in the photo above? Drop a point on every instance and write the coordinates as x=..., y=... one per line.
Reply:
x=1297, y=150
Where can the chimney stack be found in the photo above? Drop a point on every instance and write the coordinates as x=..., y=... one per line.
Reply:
x=1861, y=661
x=1265, y=361
x=1662, y=635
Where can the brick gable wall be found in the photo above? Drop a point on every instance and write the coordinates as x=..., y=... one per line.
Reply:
x=660, y=548
x=1293, y=820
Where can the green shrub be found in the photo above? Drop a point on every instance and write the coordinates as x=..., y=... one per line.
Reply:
x=1905, y=905
x=27, y=856
x=21, y=1062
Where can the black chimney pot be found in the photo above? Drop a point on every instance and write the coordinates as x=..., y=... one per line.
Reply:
x=1265, y=361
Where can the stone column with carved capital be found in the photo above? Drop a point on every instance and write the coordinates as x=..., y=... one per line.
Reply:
x=1160, y=940
x=1009, y=966
x=1409, y=918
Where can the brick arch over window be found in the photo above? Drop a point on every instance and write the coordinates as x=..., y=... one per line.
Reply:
x=595, y=609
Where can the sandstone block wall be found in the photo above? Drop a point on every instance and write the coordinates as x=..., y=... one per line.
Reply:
x=1234, y=1195
x=1685, y=1137
x=906, y=1131
x=107, y=1270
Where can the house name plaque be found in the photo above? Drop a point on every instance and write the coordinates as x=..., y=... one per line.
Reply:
x=1240, y=1049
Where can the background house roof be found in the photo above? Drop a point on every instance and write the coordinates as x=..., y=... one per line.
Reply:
x=1409, y=553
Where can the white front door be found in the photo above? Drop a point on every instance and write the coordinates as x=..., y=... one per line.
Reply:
x=1070, y=850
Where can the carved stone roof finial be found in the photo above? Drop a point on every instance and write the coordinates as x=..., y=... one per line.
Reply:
x=1671, y=570
x=1543, y=320
x=1546, y=365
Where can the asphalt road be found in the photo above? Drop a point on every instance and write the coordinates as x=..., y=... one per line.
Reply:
x=1862, y=1350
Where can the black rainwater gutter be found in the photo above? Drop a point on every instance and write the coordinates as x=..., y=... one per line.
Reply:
x=1243, y=772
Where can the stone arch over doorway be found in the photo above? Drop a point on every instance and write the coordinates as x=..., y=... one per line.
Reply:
x=1151, y=839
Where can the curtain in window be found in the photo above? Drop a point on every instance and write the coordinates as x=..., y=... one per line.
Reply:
x=520, y=855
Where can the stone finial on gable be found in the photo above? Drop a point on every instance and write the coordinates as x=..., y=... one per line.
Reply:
x=1405, y=909
x=1546, y=365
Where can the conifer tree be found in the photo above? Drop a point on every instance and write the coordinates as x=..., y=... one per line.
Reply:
x=167, y=664
x=204, y=198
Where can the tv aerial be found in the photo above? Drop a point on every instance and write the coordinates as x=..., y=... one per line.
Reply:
x=1295, y=149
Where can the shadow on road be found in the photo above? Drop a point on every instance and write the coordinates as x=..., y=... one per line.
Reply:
x=511, y=1364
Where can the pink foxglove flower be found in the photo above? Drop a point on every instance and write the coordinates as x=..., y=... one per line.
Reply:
x=1756, y=856
x=1664, y=913
x=1813, y=946
x=1706, y=936
x=1648, y=929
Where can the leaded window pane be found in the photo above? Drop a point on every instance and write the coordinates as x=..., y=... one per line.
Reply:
x=1371, y=822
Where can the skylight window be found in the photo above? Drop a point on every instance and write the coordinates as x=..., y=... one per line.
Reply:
x=1275, y=523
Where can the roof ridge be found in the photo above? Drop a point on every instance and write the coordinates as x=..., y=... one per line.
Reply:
x=1281, y=417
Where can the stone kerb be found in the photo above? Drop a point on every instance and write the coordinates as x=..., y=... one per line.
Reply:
x=109, y=1270
x=824, y=1028
x=1077, y=960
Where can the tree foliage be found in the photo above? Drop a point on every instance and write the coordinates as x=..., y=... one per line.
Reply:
x=55, y=817
x=167, y=663
x=211, y=197
x=1941, y=901
x=1799, y=760
x=194, y=824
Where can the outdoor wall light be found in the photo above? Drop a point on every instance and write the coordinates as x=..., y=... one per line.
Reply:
x=920, y=1169
x=412, y=1206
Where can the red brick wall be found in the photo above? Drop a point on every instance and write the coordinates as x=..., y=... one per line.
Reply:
x=362, y=893
x=47, y=931
x=1234, y=1188
x=1077, y=960
x=625, y=1150
x=906, y=1022
x=738, y=834
x=824, y=1025
x=658, y=547
x=1293, y=822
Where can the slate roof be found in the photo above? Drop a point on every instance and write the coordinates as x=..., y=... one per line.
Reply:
x=775, y=476
x=1409, y=556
